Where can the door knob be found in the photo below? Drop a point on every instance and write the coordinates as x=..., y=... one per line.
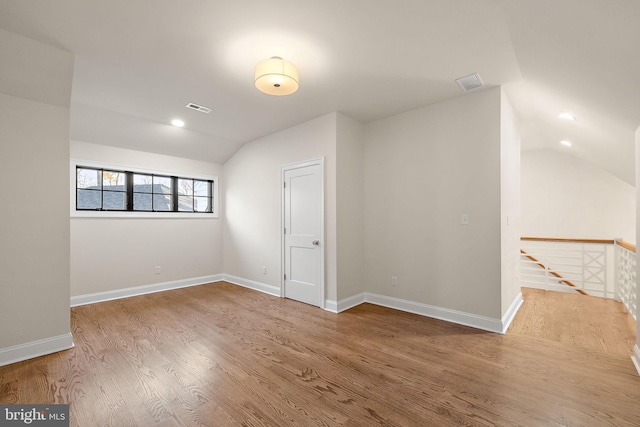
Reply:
x=316, y=243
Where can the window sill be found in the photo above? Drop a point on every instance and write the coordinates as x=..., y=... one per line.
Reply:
x=142, y=215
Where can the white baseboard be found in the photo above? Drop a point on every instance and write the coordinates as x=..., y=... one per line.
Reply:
x=347, y=303
x=344, y=304
x=32, y=349
x=331, y=305
x=142, y=290
x=257, y=286
x=511, y=312
x=454, y=316
x=636, y=357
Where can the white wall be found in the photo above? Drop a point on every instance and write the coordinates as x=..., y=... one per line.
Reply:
x=563, y=196
x=109, y=254
x=636, y=349
x=423, y=169
x=350, y=206
x=510, y=202
x=252, y=201
x=34, y=219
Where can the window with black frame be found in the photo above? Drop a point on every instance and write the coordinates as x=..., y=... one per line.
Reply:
x=100, y=189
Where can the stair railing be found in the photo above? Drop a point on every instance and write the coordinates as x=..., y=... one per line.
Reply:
x=597, y=267
x=626, y=291
x=572, y=265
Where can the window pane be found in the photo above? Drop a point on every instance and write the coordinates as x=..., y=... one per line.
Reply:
x=161, y=185
x=142, y=184
x=112, y=200
x=185, y=203
x=185, y=187
x=162, y=202
x=88, y=178
x=142, y=202
x=201, y=188
x=112, y=180
x=124, y=190
x=89, y=199
x=202, y=204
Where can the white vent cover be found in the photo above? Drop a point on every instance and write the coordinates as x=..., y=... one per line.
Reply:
x=198, y=108
x=470, y=82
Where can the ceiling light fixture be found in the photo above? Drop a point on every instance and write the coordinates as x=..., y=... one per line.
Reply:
x=567, y=116
x=275, y=76
x=566, y=143
x=177, y=122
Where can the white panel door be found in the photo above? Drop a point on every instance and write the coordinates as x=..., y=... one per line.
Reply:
x=303, y=245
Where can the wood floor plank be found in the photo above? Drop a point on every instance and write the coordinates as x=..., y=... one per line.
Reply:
x=218, y=355
x=595, y=324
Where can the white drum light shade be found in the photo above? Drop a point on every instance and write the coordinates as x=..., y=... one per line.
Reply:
x=275, y=76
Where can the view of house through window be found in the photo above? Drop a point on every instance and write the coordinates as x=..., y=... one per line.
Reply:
x=111, y=190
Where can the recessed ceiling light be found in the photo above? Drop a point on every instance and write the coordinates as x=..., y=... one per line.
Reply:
x=567, y=116
x=566, y=143
x=177, y=122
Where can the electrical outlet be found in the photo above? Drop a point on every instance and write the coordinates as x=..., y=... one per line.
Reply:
x=157, y=269
x=464, y=219
x=394, y=281
x=264, y=269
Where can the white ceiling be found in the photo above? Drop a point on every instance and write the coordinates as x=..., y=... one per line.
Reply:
x=139, y=62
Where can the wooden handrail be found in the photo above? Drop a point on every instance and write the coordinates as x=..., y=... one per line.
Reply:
x=628, y=246
x=554, y=273
x=563, y=240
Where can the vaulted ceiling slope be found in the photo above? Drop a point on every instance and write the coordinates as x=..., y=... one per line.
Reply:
x=138, y=63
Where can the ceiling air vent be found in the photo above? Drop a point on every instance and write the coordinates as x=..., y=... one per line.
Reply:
x=198, y=108
x=470, y=82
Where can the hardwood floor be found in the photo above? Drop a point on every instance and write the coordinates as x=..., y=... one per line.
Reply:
x=595, y=324
x=223, y=355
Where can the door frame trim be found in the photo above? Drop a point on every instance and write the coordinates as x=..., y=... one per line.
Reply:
x=291, y=166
